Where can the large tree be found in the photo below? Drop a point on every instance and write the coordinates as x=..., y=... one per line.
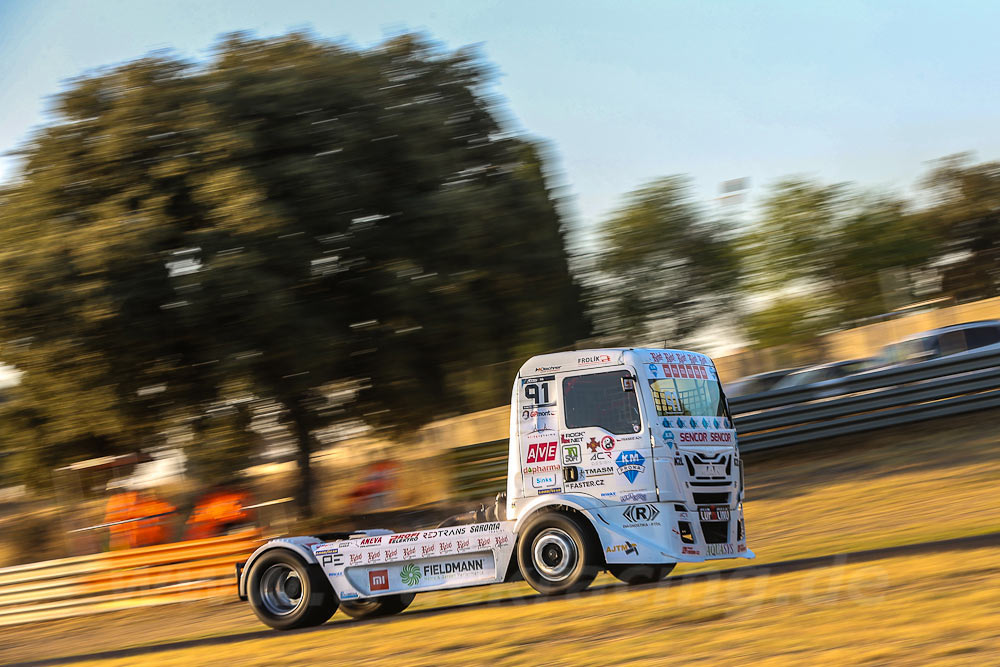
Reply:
x=664, y=267
x=294, y=220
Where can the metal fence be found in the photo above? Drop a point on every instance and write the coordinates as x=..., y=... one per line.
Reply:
x=861, y=403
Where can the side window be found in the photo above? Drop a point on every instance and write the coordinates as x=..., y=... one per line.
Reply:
x=599, y=400
x=982, y=336
x=952, y=342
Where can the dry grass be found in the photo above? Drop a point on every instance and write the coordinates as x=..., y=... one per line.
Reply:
x=912, y=610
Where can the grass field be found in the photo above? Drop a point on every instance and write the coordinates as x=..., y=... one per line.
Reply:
x=912, y=610
x=912, y=485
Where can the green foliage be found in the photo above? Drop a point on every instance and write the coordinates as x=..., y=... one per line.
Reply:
x=292, y=215
x=665, y=269
x=965, y=215
x=833, y=242
x=791, y=320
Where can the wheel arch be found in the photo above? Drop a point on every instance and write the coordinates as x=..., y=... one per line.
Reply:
x=297, y=545
x=569, y=505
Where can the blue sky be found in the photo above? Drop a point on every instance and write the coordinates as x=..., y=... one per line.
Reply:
x=622, y=91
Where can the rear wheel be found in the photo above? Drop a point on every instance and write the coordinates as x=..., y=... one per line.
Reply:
x=556, y=554
x=387, y=605
x=640, y=574
x=286, y=592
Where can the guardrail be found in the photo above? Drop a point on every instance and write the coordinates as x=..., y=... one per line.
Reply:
x=145, y=576
x=869, y=401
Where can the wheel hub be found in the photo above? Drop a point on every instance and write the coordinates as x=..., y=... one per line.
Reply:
x=554, y=553
x=281, y=590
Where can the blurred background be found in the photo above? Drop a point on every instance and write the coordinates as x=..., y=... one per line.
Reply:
x=265, y=266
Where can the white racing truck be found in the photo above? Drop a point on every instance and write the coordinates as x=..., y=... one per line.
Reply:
x=619, y=459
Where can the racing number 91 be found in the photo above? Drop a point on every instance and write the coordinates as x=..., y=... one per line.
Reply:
x=537, y=393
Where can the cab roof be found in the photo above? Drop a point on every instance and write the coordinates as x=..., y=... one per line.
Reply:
x=560, y=362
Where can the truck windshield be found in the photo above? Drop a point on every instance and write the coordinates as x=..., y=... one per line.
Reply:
x=689, y=397
x=600, y=400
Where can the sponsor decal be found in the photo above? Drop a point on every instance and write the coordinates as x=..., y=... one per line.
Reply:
x=442, y=570
x=719, y=549
x=370, y=541
x=632, y=497
x=575, y=437
x=741, y=548
x=409, y=552
x=529, y=470
x=544, y=491
x=641, y=514
x=571, y=455
x=668, y=437
x=712, y=513
x=599, y=472
x=532, y=414
x=391, y=553
x=378, y=580
x=584, y=484
x=501, y=540
x=484, y=527
x=483, y=543
x=445, y=547
x=654, y=371
x=690, y=550
x=356, y=558
x=542, y=452
x=612, y=494
x=600, y=456
x=630, y=463
x=404, y=537
x=427, y=550
x=594, y=359
x=374, y=556
x=464, y=544
x=410, y=574
x=327, y=548
x=656, y=357
x=629, y=548
x=543, y=481
x=678, y=461
x=547, y=369
x=331, y=559
x=348, y=596
x=444, y=532
x=607, y=443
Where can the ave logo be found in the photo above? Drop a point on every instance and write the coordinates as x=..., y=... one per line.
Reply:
x=542, y=452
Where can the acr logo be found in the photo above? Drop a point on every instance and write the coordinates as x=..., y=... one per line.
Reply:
x=378, y=580
x=542, y=452
x=641, y=513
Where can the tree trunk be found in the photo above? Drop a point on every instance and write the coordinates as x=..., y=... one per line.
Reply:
x=303, y=458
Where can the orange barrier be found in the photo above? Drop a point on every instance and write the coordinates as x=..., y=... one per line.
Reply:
x=192, y=570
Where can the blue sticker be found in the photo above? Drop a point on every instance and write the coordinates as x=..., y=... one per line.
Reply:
x=704, y=422
x=666, y=423
x=630, y=463
x=694, y=424
x=653, y=370
x=668, y=437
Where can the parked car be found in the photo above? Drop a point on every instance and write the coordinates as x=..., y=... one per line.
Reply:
x=823, y=374
x=943, y=342
x=756, y=384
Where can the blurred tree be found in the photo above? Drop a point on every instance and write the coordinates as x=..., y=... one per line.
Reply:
x=295, y=218
x=964, y=210
x=664, y=269
x=788, y=320
x=833, y=243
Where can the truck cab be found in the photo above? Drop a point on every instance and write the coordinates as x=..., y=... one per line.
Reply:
x=619, y=459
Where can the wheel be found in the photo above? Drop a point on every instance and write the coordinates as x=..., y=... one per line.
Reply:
x=386, y=605
x=640, y=574
x=287, y=593
x=556, y=554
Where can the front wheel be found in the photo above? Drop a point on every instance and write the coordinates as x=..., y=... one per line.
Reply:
x=556, y=554
x=287, y=593
x=386, y=605
x=640, y=574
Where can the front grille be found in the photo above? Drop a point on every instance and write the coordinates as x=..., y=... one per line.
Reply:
x=715, y=532
x=711, y=498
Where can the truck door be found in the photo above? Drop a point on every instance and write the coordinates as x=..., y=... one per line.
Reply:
x=604, y=448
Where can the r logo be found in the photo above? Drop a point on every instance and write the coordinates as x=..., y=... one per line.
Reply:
x=641, y=513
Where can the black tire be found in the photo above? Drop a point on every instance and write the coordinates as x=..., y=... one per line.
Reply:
x=556, y=554
x=287, y=593
x=640, y=574
x=386, y=605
